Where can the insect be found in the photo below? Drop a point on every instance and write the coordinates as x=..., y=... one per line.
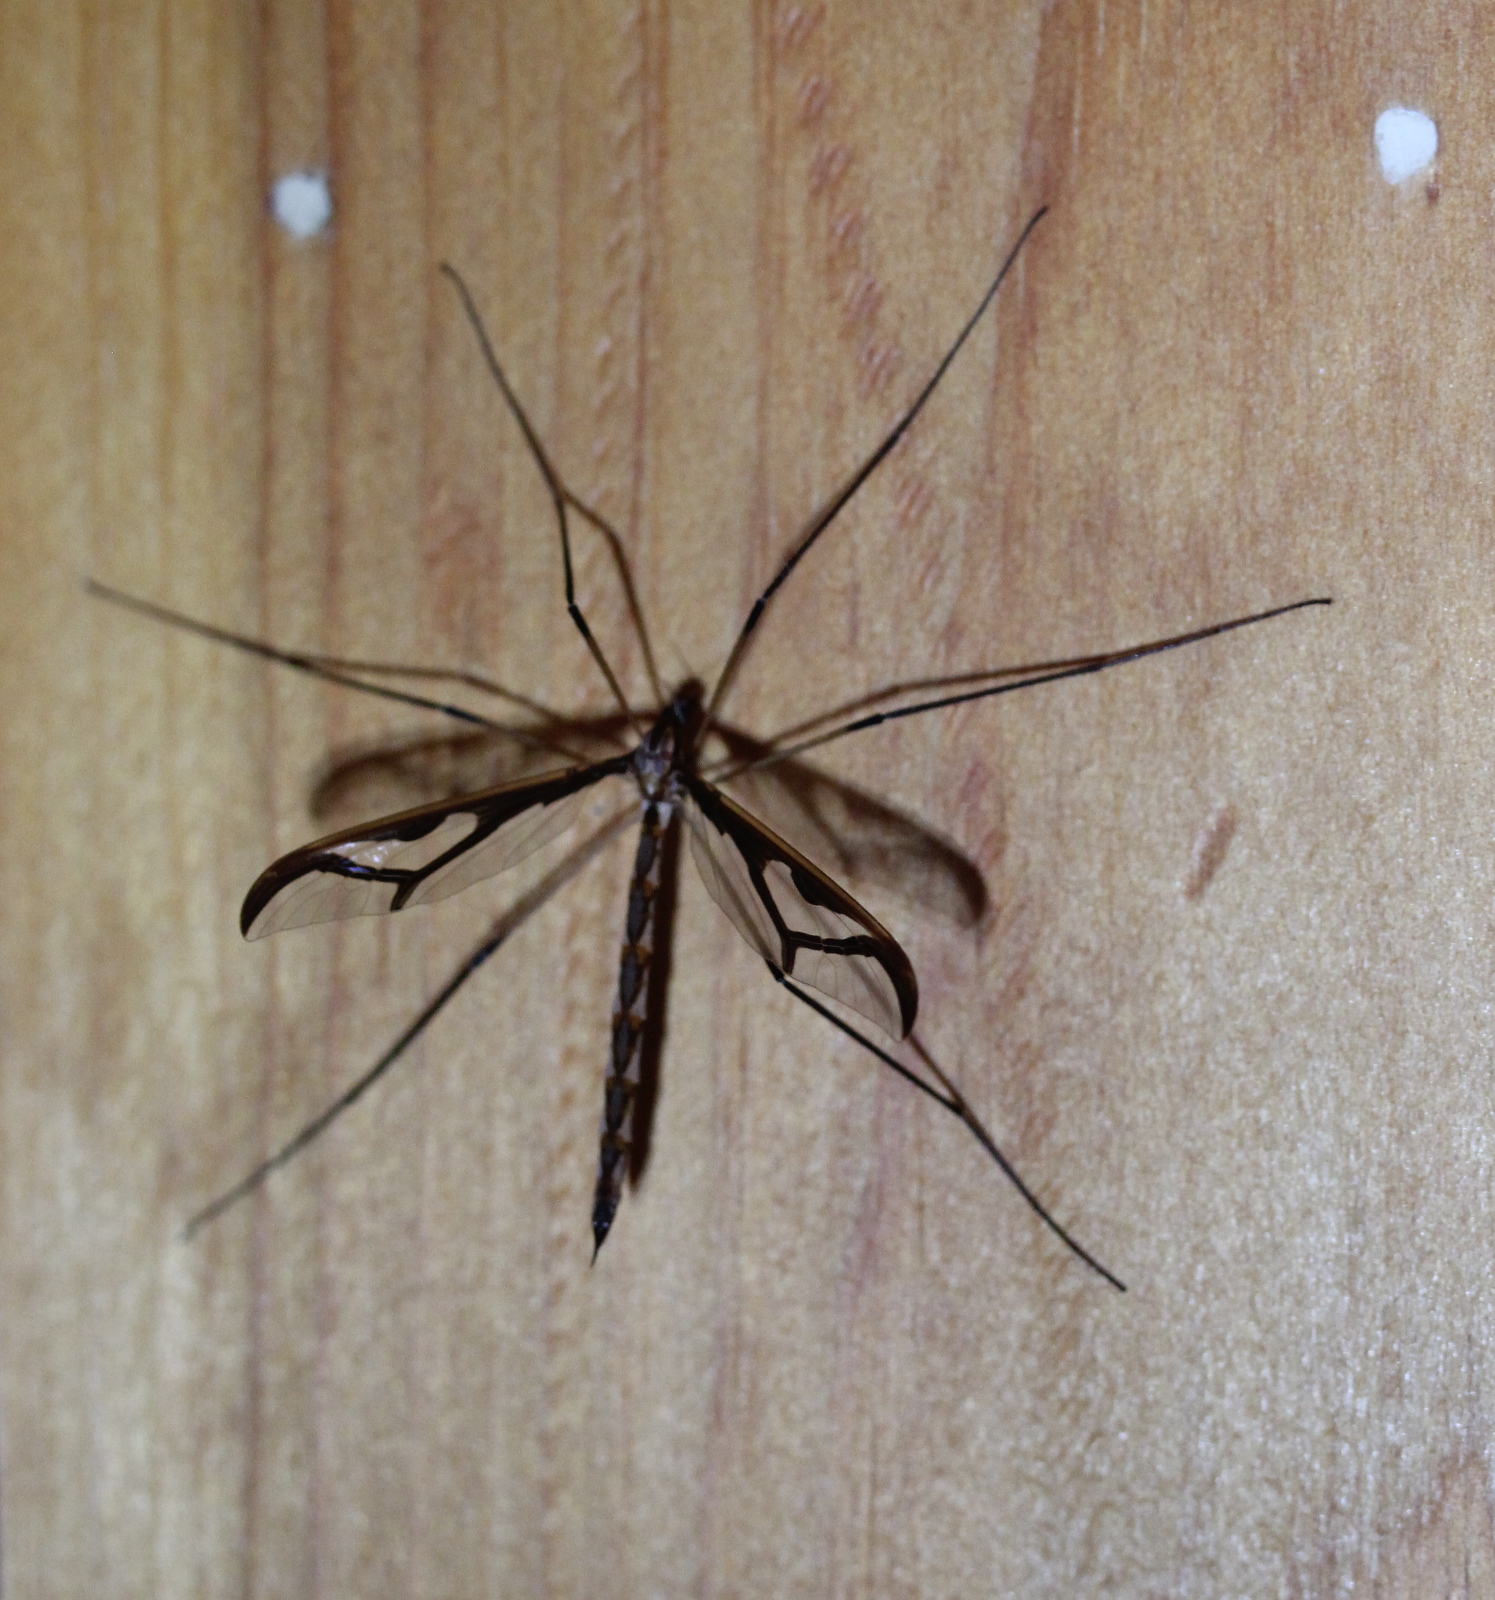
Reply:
x=810, y=932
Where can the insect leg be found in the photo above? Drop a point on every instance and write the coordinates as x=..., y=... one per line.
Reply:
x=1081, y=667
x=954, y=1102
x=331, y=669
x=829, y=513
x=512, y=919
x=614, y=544
x=910, y=686
x=561, y=497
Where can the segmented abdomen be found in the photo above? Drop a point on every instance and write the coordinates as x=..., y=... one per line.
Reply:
x=621, y=1088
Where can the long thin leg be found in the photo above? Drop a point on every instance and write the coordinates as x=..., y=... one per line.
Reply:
x=508, y=923
x=829, y=514
x=909, y=686
x=332, y=669
x=1081, y=669
x=954, y=1102
x=561, y=497
x=614, y=543
x=337, y=669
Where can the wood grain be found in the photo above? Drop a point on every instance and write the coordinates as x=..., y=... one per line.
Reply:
x=1230, y=1009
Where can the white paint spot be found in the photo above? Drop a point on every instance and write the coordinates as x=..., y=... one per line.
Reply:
x=302, y=203
x=1406, y=142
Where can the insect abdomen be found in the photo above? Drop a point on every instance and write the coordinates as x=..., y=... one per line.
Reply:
x=629, y=1012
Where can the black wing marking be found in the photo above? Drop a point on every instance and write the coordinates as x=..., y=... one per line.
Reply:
x=374, y=780
x=853, y=834
x=417, y=856
x=795, y=917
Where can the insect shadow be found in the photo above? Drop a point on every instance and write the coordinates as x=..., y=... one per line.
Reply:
x=679, y=756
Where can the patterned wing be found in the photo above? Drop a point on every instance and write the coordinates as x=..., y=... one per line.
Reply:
x=376, y=779
x=420, y=855
x=795, y=917
x=861, y=839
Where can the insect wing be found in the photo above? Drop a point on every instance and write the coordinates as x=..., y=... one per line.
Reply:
x=796, y=917
x=857, y=836
x=379, y=779
x=417, y=856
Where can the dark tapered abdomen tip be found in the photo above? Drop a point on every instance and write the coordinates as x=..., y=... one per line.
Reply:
x=604, y=1209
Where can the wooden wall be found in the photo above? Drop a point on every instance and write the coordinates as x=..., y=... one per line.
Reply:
x=1229, y=1008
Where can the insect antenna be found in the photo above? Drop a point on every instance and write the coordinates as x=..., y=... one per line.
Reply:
x=562, y=498
x=829, y=513
x=1081, y=667
x=955, y=1103
x=509, y=922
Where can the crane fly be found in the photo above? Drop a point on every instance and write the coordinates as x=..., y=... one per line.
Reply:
x=809, y=931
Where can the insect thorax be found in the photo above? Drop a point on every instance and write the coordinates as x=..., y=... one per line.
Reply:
x=666, y=748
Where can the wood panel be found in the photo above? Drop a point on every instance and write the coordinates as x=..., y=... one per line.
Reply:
x=1229, y=1006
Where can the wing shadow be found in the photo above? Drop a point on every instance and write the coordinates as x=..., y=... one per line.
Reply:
x=843, y=829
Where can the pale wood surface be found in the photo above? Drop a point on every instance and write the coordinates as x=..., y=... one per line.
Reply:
x=826, y=1351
